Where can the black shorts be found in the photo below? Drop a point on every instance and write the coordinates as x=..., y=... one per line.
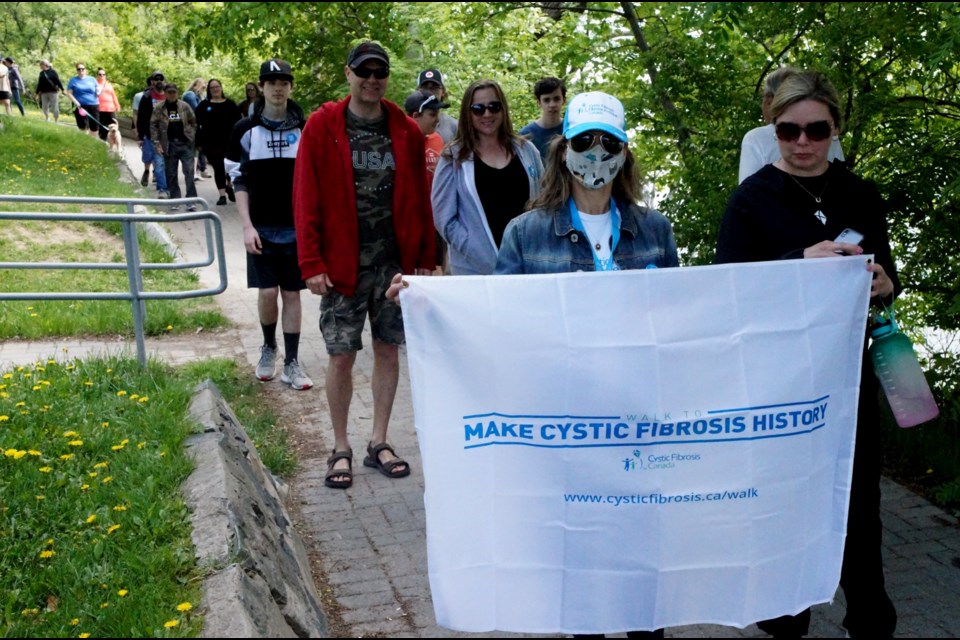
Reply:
x=88, y=121
x=276, y=266
x=4, y=95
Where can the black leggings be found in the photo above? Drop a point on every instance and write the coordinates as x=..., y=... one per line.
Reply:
x=215, y=157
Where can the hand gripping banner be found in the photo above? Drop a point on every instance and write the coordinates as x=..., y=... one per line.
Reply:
x=606, y=452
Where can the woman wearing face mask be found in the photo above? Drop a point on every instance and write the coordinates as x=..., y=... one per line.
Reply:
x=587, y=217
x=484, y=179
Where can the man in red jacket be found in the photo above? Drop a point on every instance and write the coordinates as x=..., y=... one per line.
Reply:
x=362, y=214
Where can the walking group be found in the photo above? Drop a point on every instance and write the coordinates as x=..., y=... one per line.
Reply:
x=346, y=200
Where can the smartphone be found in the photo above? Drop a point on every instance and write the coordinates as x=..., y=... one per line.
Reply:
x=850, y=236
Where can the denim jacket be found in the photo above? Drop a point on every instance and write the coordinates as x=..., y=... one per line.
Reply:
x=542, y=241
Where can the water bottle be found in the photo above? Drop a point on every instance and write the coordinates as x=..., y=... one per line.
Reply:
x=901, y=377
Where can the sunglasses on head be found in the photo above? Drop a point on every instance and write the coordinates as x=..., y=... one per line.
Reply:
x=588, y=139
x=816, y=131
x=377, y=72
x=480, y=109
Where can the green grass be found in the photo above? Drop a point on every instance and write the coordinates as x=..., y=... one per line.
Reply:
x=94, y=536
x=44, y=159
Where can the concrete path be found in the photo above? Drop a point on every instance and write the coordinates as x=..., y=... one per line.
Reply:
x=368, y=543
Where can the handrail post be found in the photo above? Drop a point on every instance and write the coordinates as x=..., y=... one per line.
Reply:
x=135, y=277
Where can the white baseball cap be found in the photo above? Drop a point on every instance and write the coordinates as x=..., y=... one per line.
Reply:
x=595, y=110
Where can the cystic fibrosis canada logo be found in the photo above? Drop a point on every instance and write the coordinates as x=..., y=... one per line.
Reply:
x=646, y=461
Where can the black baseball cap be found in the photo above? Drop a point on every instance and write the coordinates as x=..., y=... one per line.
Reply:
x=367, y=50
x=420, y=101
x=430, y=75
x=276, y=69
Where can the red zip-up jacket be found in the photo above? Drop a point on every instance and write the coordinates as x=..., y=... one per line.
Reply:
x=325, y=200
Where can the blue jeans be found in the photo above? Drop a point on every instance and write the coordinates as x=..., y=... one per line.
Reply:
x=17, y=101
x=149, y=154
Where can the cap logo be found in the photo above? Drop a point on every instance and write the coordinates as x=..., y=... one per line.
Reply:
x=428, y=74
x=274, y=66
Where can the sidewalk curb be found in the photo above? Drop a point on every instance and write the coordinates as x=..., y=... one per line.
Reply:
x=262, y=585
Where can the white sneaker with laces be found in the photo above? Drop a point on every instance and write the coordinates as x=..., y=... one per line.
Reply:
x=294, y=375
x=267, y=367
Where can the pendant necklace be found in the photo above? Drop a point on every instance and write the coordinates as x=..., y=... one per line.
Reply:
x=819, y=215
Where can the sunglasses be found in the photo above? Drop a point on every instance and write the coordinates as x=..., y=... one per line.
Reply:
x=101, y=73
x=816, y=131
x=377, y=72
x=480, y=109
x=158, y=78
x=81, y=68
x=587, y=140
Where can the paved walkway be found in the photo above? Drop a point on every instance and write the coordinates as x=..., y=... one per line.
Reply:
x=369, y=542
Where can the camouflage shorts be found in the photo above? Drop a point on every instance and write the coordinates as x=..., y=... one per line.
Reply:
x=342, y=317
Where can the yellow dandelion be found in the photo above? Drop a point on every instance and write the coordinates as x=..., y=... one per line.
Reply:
x=41, y=497
x=141, y=445
x=84, y=634
x=47, y=553
x=84, y=487
x=75, y=443
x=28, y=374
x=69, y=367
x=34, y=452
x=93, y=474
x=37, y=387
x=170, y=624
x=169, y=327
x=7, y=376
x=121, y=393
x=4, y=418
x=45, y=469
x=134, y=396
x=88, y=383
x=122, y=593
x=16, y=454
x=91, y=518
x=184, y=606
x=20, y=404
x=70, y=434
x=109, y=370
x=16, y=168
x=51, y=362
x=107, y=480
x=101, y=465
x=104, y=424
x=66, y=456
x=163, y=454
x=120, y=507
x=30, y=612
x=117, y=447
x=49, y=542
x=104, y=605
x=75, y=622
x=45, y=383
x=113, y=528
x=143, y=399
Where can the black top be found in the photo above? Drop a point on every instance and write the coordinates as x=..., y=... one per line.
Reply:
x=503, y=193
x=174, y=125
x=772, y=217
x=215, y=122
x=49, y=82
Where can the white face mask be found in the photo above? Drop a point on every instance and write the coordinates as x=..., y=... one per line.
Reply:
x=594, y=167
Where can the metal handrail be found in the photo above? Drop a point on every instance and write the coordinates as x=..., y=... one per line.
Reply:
x=213, y=231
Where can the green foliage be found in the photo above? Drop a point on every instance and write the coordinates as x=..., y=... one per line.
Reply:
x=60, y=161
x=92, y=460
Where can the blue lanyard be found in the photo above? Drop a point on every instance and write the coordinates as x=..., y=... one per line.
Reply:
x=598, y=264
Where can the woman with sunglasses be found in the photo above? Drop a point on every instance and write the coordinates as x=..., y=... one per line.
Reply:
x=759, y=146
x=586, y=217
x=108, y=103
x=796, y=208
x=484, y=179
x=84, y=92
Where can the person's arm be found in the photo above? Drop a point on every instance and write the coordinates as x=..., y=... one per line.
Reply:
x=308, y=182
x=445, y=201
x=510, y=256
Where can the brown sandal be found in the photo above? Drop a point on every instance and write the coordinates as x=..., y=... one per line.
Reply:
x=386, y=468
x=333, y=473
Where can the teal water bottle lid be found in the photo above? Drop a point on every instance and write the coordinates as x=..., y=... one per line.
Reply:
x=887, y=327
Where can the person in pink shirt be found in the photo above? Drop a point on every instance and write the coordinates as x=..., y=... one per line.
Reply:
x=109, y=105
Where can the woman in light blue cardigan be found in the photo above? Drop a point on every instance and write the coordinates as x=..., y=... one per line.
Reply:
x=484, y=179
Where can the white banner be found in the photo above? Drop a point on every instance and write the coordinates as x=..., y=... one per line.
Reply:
x=606, y=452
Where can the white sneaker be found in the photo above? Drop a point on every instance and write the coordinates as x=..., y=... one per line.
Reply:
x=198, y=177
x=205, y=174
x=163, y=195
x=295, y=377
x=267, y=367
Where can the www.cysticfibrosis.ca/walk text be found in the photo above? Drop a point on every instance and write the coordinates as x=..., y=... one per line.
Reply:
x=659, y=498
